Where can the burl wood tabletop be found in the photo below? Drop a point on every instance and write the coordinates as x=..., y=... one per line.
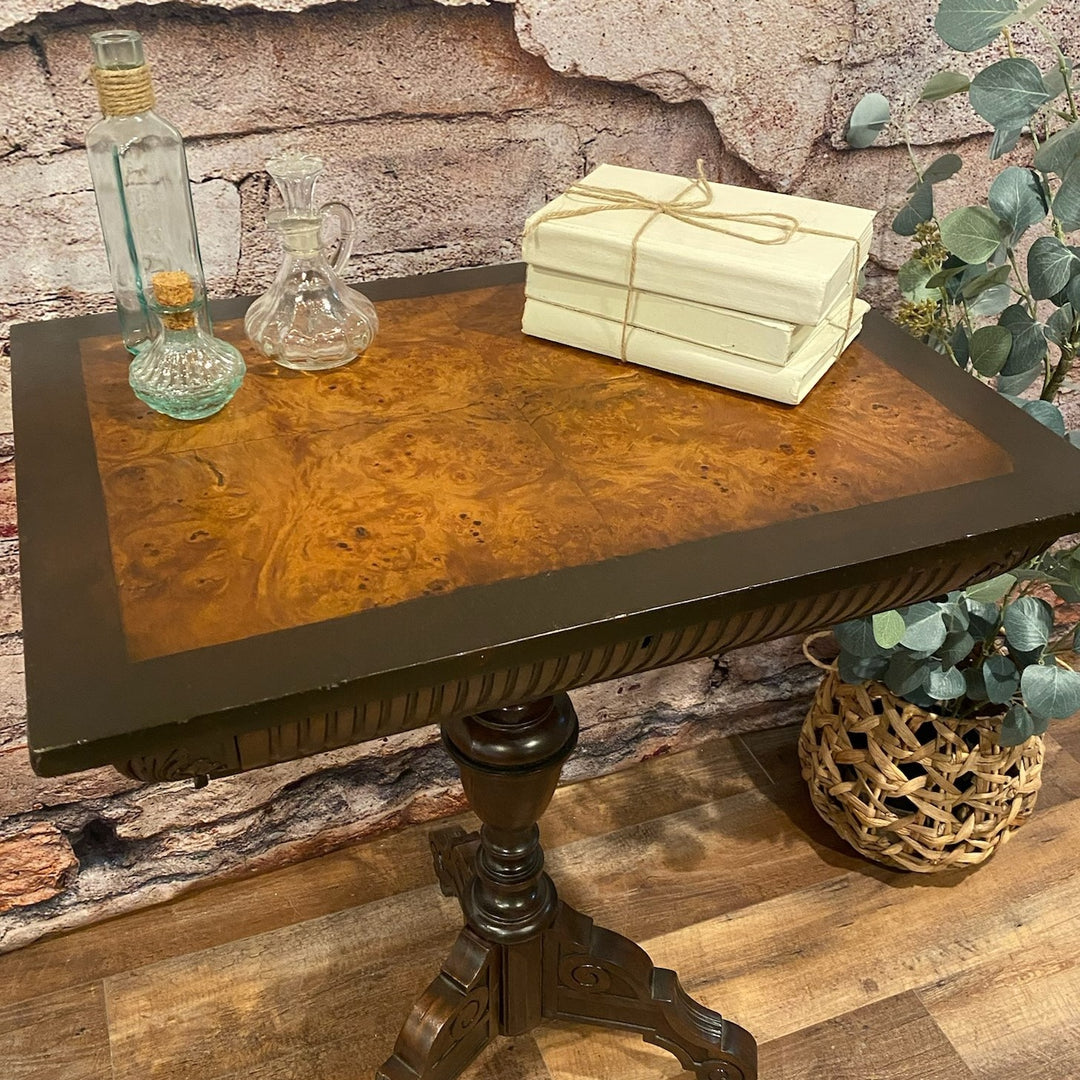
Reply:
x=459, y=452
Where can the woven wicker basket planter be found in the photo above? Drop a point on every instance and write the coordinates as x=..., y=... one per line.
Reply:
x=910, y=789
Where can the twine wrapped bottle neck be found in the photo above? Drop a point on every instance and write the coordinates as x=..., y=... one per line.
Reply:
x=124, y=91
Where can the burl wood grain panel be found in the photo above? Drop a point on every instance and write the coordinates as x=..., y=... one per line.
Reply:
x=459, y=452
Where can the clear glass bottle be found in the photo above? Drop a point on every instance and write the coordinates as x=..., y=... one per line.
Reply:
x=140, y=177
x=183, y=371
x=309, y=319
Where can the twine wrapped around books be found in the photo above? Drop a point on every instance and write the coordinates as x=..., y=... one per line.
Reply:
x=690, y=207
x=124, y=91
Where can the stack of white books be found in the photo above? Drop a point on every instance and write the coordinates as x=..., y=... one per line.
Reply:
x=767, y=318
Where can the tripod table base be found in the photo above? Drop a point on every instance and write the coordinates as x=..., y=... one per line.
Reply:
x=525, y=956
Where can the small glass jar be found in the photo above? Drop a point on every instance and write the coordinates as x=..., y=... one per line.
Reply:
x=183, y=371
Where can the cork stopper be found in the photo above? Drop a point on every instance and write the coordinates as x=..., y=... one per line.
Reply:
x=174, y=289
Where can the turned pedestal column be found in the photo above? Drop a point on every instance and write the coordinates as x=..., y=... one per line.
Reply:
x=524, y=956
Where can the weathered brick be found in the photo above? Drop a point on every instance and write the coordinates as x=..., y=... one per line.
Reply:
x=258, y=72
x=30, y=122
x=47, y=208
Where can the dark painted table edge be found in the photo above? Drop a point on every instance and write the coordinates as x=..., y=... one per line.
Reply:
x=81, y=663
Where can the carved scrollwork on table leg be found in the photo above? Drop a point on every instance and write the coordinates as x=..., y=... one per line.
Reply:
x=453, y=1020
x=453, y=851
x=600, y=977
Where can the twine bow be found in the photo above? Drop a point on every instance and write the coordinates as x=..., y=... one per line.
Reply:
x=690, y=207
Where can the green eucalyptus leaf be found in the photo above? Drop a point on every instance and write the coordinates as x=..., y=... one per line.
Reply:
x=889, y=628
x=912, y=278
x=1059, y=325
x=1050, y=691
x=924, y=628
x=1004, y=140
x=944, y=84
x=1028, y=623
x=982, y=617
x=856, y=636
x=958, y=342
x=954, y=614
x=857, y=669
x=976, y=285
x=1072, y=292
x=989, y=592
x=1026, y=659
x=1047, y=413
x=1054, y=80
x=1067, y=199
x=1001, y=678
x=968, y=25
x=1076, y=638
x=1017, y=198
x=945, y=684
x=941, y=169
x=1067, y=591
x=972, y=232
x=920, y=697
x=1046, y=572
x=976, y=684
x=957, y=647
x=972, y=271
x=905, y=673
x=1028, y=11
x=1074, y=438
x=1018, y=383
x=868, y=120
x=1059, y=151
x=990, y=347
x=991, y=302
x=919, y=208
x=1050, y=264
x=944, y=275
x=1028, y=344
x=1007, y=94
x=1017, y=726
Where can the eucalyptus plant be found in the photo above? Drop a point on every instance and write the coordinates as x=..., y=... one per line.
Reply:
x=976, y=287
x=996, y=287
x=989, y=650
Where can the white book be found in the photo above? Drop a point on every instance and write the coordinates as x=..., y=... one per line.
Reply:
x=772, y=341
x=788, y=384
x=797, y=281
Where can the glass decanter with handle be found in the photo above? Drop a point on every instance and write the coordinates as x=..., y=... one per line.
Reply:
x=309, y=320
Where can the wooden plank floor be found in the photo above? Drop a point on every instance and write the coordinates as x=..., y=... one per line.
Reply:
x=712, y=858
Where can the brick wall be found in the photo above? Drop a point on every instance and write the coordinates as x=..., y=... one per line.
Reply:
x=443, y=125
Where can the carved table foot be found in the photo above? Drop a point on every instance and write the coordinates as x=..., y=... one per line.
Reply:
x=453, y=1020
x=601, y=977
x=524, y=956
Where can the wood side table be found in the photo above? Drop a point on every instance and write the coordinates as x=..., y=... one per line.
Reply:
x=459, y=528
